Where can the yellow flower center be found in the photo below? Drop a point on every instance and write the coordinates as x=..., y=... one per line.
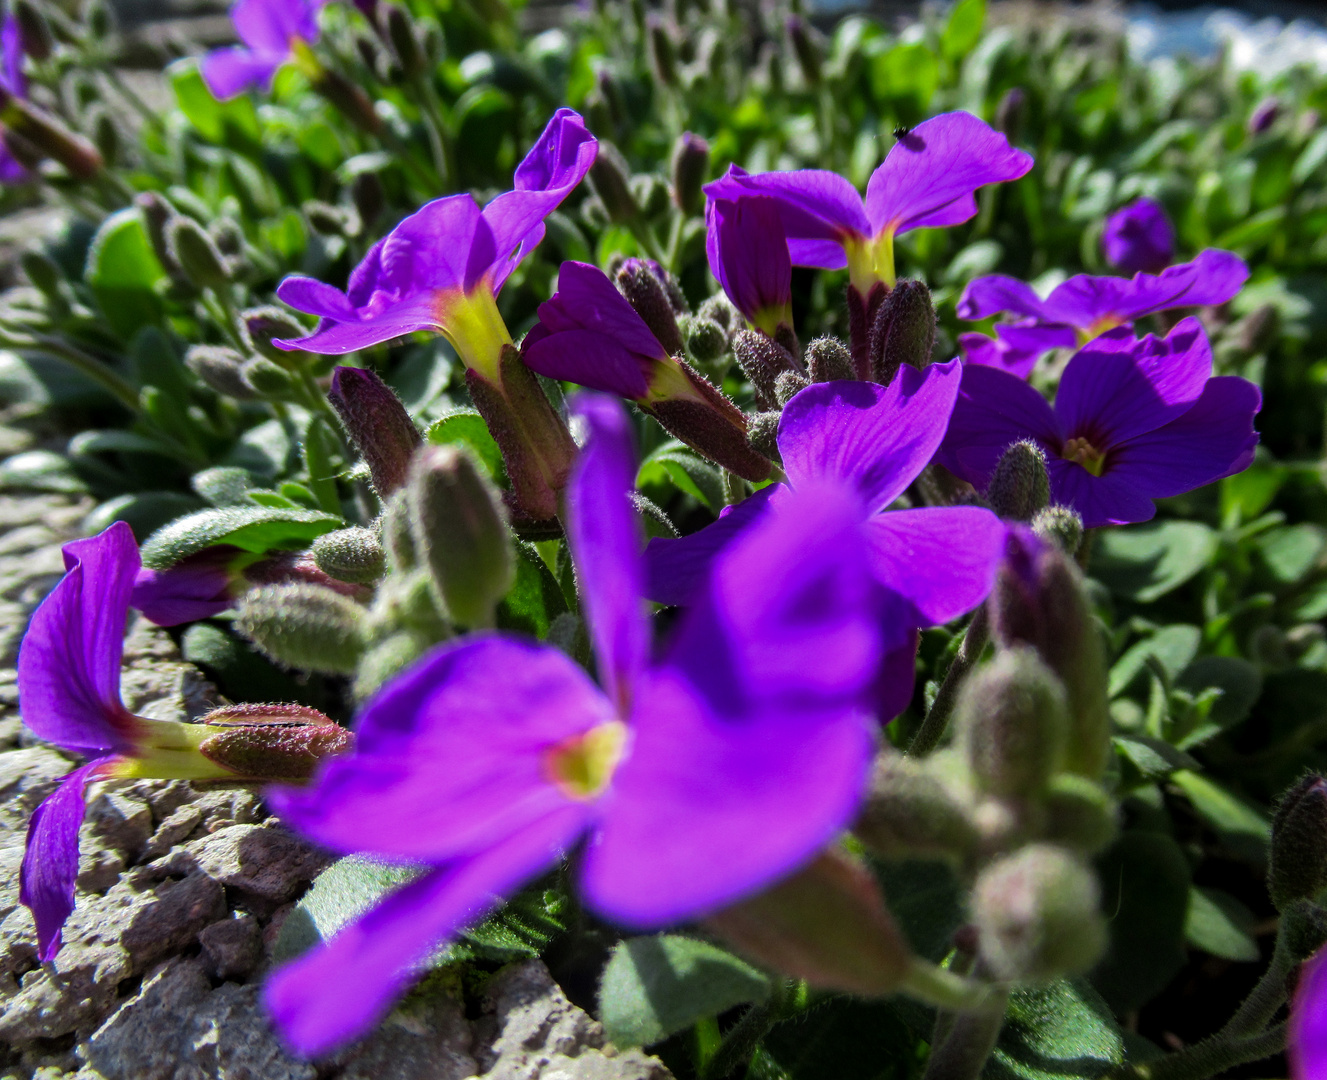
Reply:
x=472, y=323
x=582, y=765
x=1081, y=452
x=871, y=260
x=1106, y=322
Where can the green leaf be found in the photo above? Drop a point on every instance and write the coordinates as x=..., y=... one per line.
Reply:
x=1219, y=924
x=145, y=512
x=535, y=598
x=1171, y=646
x=963, y=30
x=467, y=428
x=320, y=451
x=908, y=72
x=1061, y=1030
x=123, y=273
x=116, y=442
x=1144, y=562
x=655, y=986
x=1222, y=810
x=342, y=892
x=1239, y=681
x=523, y=927
x=210, y=116
x=672, y=461
x=1154, y=758
x=40, y=470
x=926, y=900
x=840, y=1039
x=251, y=528
x=1291, y=552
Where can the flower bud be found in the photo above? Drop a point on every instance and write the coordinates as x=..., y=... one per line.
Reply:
x=719, y=309
x=1020, y=486
x=646, y=293
x=1079, y=814
x=50, y=138
x=272, y=742
x=826, y=924
x=34, y=30
x=694, y=410
x=401, y=34
x=157, y=214
x=460, y=527
x=663, y=53
x=387, y=658
x=762, y=360
x=903, y=331
x=98, y=19
x=1037, y=915
x=1259, y=329
x=691, y=167
x=195, y=252
x=1059, y=525
x=1009, y=113
x=326, y=219
x=353, y=555
x=829, y=360
x=1303, y=928
x=1297, y=869
x=105, y=135
x=377, y=424
x=610, y=179
x=788, y=385
x=1039, y=601
x=304, y=626
x=707, y=341
x=268, y=379
x=910, y=814
x=1264, y=115
x=808, y=48
x=366, y=192
x=349, y=99
x=264, y=324
x=398, y=543
x=763, y=433
x=220, y=368
x=1011, y=714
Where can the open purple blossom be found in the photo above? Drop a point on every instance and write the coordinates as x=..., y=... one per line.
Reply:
x=696, y=778
x=1139, y=238
x=748, y=255
x=932, y=564
x=1133, y=421
x=12, y=81
x=273, y=32
x=1306, y=1040
x=927, y=180
x=1085, y=307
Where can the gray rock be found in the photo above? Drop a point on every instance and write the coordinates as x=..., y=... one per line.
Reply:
x=232, y=948
x=172, y=918
x=261, y=862
x=421, y=1040
x=119, y=819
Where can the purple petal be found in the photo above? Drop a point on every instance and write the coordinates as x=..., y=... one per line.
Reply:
x=942, y=561
x=1211, y=278
x=451, y=756
x=605, y=538
x=898, y=675
x=11, y=51
x=1109, y=499
x=337, y=991
x=1108, y=396
x=316, y=298
x=1214, y=438
x=996, y=293
x=233, y=70
x=1307, y=1038
x=69, y=662
x=1139, y=237
x=994, y=409
x=1016, y=347
x=876, y=437
x=270, y=25
x=445, y=245
x=12, y=171
x=675, y=569
x=332, y=338
x=748, y=255
x=588, y=358
x=197, y=587
x=50, y=860
x=587, y=300
x=929, y=176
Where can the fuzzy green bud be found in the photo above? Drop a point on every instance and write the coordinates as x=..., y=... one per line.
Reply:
x=353, y=555
x=788, y=385
x=44, y=272
x=663, y=52
x=404, y=42
x=610, y=178
x=691, y=167
x=719, y=309
x=1297, y=869
x=328, y=220
x=910, y=814
x=196, y=253
x=763, y=433
x=1038, y=915
x=829, y=360
x=1303, y=928
x=707, y=341
x=220, y=368
x=397, y=539
x=272, y=741
x=304, y=626
x=1079, y=814
x=266, y=324
x=649, y=298
x=387, y=658
x=269, y=379
x=157, y=214
x=105, y=134
x=459, y=525
x=377, y=424
x=762, y=360
x=903, y=331
x=1020, y=485
x=1061, y=526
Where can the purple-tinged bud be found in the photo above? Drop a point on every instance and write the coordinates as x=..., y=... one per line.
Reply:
x=788, y=385
x=34, y=30
x=646, y=293
x=691, y=168
x=763, y=433
x=1079, y=814
x=460, y=530
x=1264, y=115
x=903, y=331
x=719, y=309
x=1297, y=869
x=828, y=360
x=663, y=51
x=808, y=47
x=354, y=555
x=272, y=742
x=762, y=360
x=1039, y=600
x=196, y=253
x=1061, y=526
x=1020, y=485
x=221, y=369
x=610, y=179
x=377, y=424
x=36, y=127
x=692, y=409
x=1010, y=112
x=826, y=924
x=910, y=814
x=404, y=42
x=268, y=323
x=1303, y=929
x=610, y=95
x=862, y=311
x=366, y=192
x=1038, y=915
x=157, y=214
x=1012, y=719
x=349, y=99
x=304, y=627
x=1139, y=237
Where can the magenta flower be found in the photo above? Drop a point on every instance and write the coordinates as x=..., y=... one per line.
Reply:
x=1306, y=1042
x=12, y=81
x=1139, y=238
x=1133, y=421
x=931, y=564
x=1085, y=307
x=748, y=255
x=696, y=779
x=927, y=180
x=197, y=587
x=273, y=32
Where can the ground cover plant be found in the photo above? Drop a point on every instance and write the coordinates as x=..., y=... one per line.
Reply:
x=814, y=531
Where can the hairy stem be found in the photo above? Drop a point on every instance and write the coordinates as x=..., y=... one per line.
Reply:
x=967, y=1045
x=937, y=717
x=1207, y=1058
x=1260, y=1006
x=740, y=1042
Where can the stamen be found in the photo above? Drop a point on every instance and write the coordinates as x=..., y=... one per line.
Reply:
x=1081, y=452
x=583, y=765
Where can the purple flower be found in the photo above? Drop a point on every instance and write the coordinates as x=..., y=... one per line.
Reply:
x=197, y=587
x=12, y=81
x=932, y=564
x=1139, y=238
x=1307, y=1038
x=273, y=32
x=696, y=778
x=1084, y=307
x=927, y=180
x=748, y=255
x=1133, y=421
x=1264, y=115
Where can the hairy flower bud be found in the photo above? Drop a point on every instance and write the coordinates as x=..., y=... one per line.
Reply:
x=366, y=192
x=763, y=361
x=302, y=626
x=808, y=48
x=398, y=543
x=1303, y=928
x=34, y=30
x=697, y=412
x=349, y=99
x=387, y=658
x=460, y=528
x=1038, y=915
x=826, y=924
x=1259, y=329
x=268, y=379
x=707, y=341
x=268, y=323
x=157, y=214
x=903, y=331
x=646, y=293
x=1009, y=113
x=910, y=814
x=719, y=309
x=1079, y=814
x=828, y=360
x=377, y=424
x=691, y=166
x=195, y=252
x=610, y=178
x=272, y=742
x=1264, y=115
x=1011, y=715
x=353, y=555
x=763, y=433
x=663, y=53
x=404, y=42
x=1297, y=869
x=1020, y=485
x=220, y=368
x=1059, y=525
x=105, y=134
x=788, y=385
x=48, y=137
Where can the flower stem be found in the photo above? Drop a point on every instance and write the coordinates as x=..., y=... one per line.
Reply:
x=740, y=1043
x=949, y=990
x=1207, y=1058
x=1268, y=996
x=937, y=717
x=967, y=1045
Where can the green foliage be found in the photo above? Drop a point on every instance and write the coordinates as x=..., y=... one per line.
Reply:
x=1062, y=1030
x=250, y=528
